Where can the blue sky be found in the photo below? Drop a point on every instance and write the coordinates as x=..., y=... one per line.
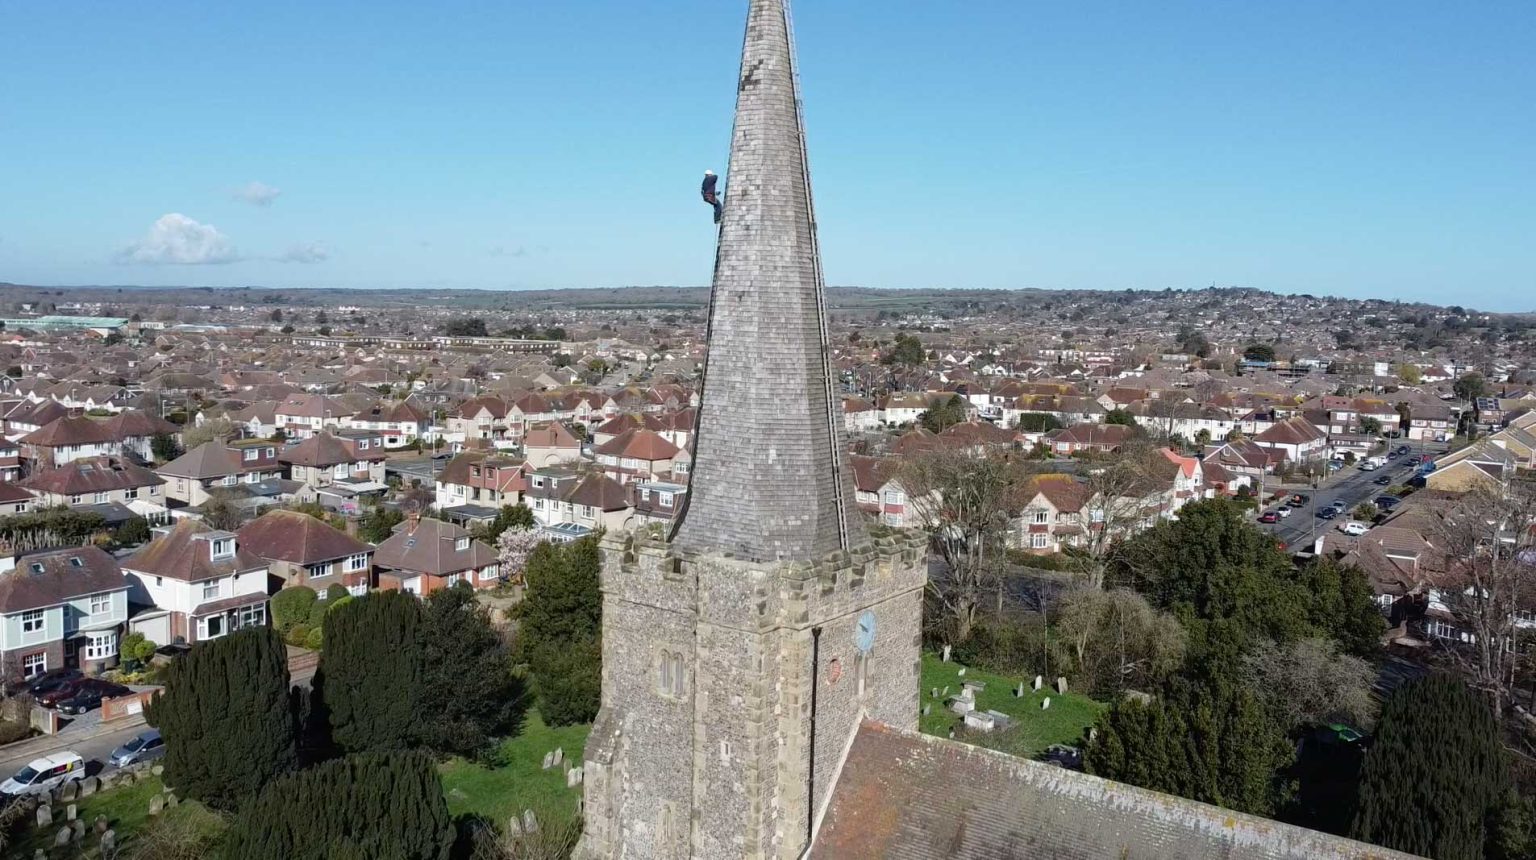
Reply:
x=1367, y=149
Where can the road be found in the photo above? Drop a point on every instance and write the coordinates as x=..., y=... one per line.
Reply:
x=94, y=749
x=1350, y=485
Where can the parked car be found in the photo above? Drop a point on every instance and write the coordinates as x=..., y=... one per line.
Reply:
x=38, y=684
x=1327, y=514
x=1354, y=528
x=1387, y=502
x=1338, y=505
x=146, y=746
x=1383, y=481
x=89, y=694
x=1299, y=500
x=59, y=692
x=1415, y=460
x=1283, y=512
x=1269, y=517
x=45, y=774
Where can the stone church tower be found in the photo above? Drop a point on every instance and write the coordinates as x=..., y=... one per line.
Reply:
x=740, y=656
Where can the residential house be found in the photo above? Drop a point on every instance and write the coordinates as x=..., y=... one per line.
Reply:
x=658, y=502
x=566, y=500
x=302, y=416
x=1055, y=515
x=325, y=458
x=301, y=550
x=1297, y=439
x=62, y=608
x=636, y=455
x=481, y=418
x=15, y=500
x=424, y=555
x=1100, y=438
x=214, y=464
x=204, y=584
x=879, y=493
x=68, y=439
x=550, y=444
x=478, y=479
x=10, y=461
x=401, y=423
x=96, y=480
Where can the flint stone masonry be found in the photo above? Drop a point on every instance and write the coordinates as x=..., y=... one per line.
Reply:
x=771, y=480
x=657, y=781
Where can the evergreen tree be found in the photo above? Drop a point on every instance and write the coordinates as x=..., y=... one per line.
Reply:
x=373, y=665
x=467, y=686
x=1212, y=743
x=560, y=639
x=379, y=524
x=1342, y=605
x=947, y=414
x=1435, y=774
x=225, y=718
x=291, y=606
x=371, y=805
x=1120, y=416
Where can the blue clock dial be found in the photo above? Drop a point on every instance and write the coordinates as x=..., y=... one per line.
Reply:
x=864, y=631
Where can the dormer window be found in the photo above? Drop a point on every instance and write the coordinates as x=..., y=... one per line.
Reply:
x=461, y=544
x=223, y=548
x=251, y=454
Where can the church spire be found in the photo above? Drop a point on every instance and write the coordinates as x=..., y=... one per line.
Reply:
x=770, y=477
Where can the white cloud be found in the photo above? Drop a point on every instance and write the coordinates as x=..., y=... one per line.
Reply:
x=176, y=239
x=306, y=252
x=257, y=194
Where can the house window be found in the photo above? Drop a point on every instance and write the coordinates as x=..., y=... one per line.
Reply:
x=315, y=570
x=101, y=604
x=32, y=622
x=228, y=480
x=211, y=627
x=155, y=491
x=1039, y=541
x=75, y=499
x=253, y=616
x=132, y=493
x=251, y=454
x=1040, y=517
x=666, y=500
x=212, y=589
x=357, y=562
x=34, y=664
x=100, y=646
x=340, y=471
x=103, y=498
x=490, y=572
x=223, y=547
x=461, y=544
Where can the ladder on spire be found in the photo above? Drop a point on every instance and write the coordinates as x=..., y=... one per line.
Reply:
x=833, y=403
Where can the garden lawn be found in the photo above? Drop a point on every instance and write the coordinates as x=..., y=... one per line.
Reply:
x=519, y=782
x=1068, y=717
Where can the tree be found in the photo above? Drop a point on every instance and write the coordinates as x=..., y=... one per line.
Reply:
x=1370, y=426
x=134, y=649
x=225, y=718
x=164, y=448
x=1122, y=417
x=1309, y=681
x=384, y=805
x=292, y=606
x=214, y=428
x=1409, y=374
x=1487, y=547
x=323, y=331
x=510, y=516
x=513, y=549
x=1116, y=506
x=907, y=350
x=1470, y=386
x=219, y=514
x=379, y=523
x=276, y=315
x=1259, y=352
x=372, y=669
x=561, y=630
x=1039, y=422
x=947, y=414
x=468, y=681
x=1222, y=577
x=49, y=528
x=1434, y=773
x=1214, y=744
x=465, y=327
x=965, y=504
x=1110, y=641
x=287, y=329
x=133, y=532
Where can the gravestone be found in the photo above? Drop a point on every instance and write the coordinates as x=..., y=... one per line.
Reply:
x=951, y=734
x=946, y=653
x=1061, y=686
x=70, y=812
x=559, y=755
x=63, y=837
x=549, y=761
x=570, y=778
x=1039, y=681
x=44, y=815
x=108, y=842
x=157, y=770
x=934, y=693
x=89, y=785
x=515, y=826
x=1045, y=704
x=157, y=804
x=926, y=709
x=530, y=822
x=68, y=790
x=101, y=824
x=962, y=671
x=170, y=800
x=77, y=830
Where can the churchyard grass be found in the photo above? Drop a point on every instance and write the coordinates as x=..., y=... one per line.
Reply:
x=517, y=781
x=1034, y=729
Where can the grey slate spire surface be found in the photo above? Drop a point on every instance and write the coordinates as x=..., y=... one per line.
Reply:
x=770, y=477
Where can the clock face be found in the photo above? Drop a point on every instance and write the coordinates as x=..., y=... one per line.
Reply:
x=864, y=631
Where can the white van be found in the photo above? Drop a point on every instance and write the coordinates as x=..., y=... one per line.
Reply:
x=45, y=774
